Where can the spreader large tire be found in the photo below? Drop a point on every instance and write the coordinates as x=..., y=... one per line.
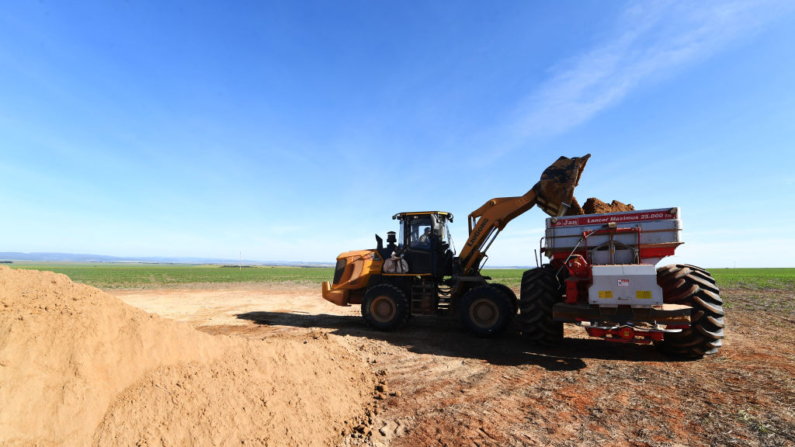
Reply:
x=486, y=311
x=540, y=292
x=385, y=307
x=694, y=287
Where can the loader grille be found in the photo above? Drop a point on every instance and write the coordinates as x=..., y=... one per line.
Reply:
x=339, y=269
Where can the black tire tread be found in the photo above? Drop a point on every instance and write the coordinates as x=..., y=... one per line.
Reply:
x=693, y=286
x=509, y=293
x=539, y=293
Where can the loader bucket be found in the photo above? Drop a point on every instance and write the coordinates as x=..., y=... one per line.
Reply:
x=555, y=191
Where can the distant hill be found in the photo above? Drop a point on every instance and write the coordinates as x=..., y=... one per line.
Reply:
x=73, y=257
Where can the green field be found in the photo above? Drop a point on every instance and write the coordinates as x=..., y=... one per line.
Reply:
x=115, y=276
x=112, y=276
x=755, y=278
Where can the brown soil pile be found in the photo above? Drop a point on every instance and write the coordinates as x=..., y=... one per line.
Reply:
x=78, y=366
x=596, y=206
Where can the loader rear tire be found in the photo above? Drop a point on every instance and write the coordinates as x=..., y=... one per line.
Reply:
x=385, y=307
x=694, y=287
x=510, y=294
x=486, y=311
x=540, y=292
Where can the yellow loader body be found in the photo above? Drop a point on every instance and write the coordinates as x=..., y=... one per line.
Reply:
x=352, y=274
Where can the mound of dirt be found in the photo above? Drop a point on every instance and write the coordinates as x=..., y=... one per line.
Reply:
x=78, y=366
x=596, y=206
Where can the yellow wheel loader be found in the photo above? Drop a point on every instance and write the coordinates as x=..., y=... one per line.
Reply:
x=419, y=273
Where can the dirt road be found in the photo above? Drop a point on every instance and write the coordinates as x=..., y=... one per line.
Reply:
x=448, y=388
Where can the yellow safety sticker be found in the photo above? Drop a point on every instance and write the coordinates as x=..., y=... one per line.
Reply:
x=605, y=294
x=643, y=294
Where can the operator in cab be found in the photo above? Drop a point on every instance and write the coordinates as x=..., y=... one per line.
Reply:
x=425, y=239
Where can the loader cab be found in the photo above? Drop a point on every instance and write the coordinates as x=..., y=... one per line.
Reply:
x=426, y=242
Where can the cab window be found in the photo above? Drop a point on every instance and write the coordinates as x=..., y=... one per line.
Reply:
x=420, y=230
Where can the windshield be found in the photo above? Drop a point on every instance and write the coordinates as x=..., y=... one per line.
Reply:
x=421, y=231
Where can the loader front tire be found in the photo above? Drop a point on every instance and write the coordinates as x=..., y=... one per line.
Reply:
x=540, y=292
x=385, y=307
x=486, y=311
x=692, y=286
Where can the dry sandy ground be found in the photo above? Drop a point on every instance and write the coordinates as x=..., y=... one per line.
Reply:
x=448, y=388
x=79, y=367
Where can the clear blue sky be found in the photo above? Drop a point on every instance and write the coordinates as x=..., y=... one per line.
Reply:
x=294, y=130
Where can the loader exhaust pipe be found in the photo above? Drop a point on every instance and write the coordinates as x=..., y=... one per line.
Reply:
x=555, y=190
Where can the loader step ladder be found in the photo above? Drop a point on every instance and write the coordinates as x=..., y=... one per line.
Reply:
x=443, y=307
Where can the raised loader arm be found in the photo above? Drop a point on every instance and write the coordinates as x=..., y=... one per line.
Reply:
x=553, y=194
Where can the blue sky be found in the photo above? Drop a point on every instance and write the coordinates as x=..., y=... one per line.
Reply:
x=294, y=130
